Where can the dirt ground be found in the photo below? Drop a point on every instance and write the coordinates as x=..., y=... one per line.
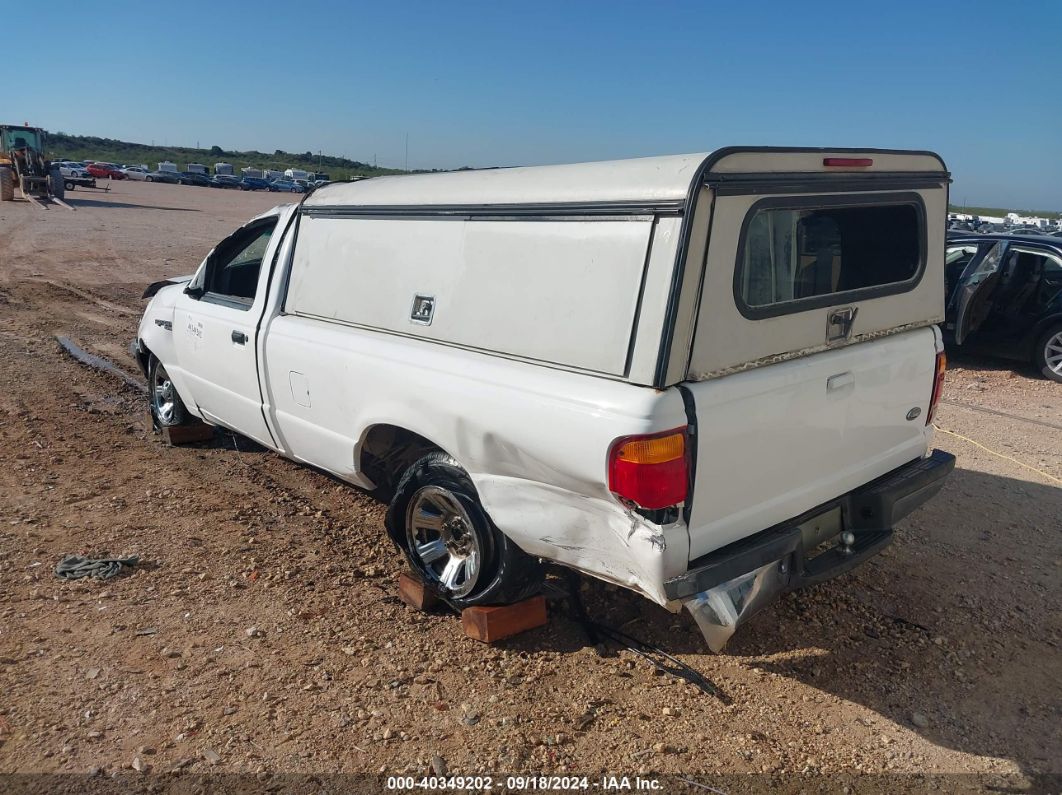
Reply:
x=261, y=633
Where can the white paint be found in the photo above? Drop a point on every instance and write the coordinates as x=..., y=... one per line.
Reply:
x=775, y=441
x=524, y=310
x=726, y=339
x=642, y=179
x=553, y=291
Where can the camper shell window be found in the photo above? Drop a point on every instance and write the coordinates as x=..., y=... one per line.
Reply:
x=801, y=253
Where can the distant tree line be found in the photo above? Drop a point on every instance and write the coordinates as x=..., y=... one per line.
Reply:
x=82, y=147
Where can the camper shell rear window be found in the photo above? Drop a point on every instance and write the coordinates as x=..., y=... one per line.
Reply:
x=799, y=253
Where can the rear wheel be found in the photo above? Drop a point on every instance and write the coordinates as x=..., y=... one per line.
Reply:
x=167, y=408
x=436, y=518
x=7, y=184
x=149, y=179
x=1048, y=355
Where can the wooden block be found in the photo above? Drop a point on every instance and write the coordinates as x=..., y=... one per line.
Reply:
x=186, y=434
x=491, y=624
x=413, y=592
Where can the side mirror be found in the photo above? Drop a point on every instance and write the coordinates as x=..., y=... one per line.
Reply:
x=194, y=292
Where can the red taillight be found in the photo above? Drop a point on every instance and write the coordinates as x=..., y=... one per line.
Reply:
x=650, y=470
x=938, y=386
x=848, y=162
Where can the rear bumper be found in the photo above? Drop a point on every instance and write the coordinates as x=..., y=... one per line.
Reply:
x=868, y=512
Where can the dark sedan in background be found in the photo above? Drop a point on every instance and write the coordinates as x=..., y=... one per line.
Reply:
x=195, y=178
x=253, y=183
x=1005, y=297
x=226, y=181
x=173, y=177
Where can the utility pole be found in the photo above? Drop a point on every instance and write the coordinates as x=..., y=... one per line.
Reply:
x=407, y=152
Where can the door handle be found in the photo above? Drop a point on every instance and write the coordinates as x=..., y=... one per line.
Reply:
x=239, y=337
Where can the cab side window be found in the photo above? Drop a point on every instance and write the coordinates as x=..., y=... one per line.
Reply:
x=232, y=272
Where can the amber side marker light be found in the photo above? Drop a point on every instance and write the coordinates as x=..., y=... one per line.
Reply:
x=938, y=386
x=848, y=162
x=650, y=470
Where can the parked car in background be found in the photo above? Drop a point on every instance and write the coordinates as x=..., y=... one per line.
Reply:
x=105, y=171
x=172, y=177
x=226, y=181
x=1005, y=298
x=68, y=168
x=305, y=184
x=135, y=172
x=286, y=186
x=253, y=183
x=195, y=178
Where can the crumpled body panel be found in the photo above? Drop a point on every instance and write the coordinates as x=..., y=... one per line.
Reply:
x=593, y=535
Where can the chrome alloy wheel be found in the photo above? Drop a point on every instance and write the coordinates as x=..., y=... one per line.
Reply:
x=440, y=533
x=1053, y=353
x=164, y=396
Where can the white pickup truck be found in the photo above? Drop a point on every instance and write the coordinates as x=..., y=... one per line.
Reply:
x=708, y=378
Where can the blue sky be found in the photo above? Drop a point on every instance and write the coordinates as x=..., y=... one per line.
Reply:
x=512, y=83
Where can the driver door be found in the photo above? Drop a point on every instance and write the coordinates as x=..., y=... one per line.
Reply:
x=977, y=287
x=215, y=324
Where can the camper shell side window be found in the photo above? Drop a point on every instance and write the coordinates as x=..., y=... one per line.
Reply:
x=800, y=253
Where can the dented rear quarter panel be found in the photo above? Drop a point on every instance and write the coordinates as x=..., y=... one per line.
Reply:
x=534, y=440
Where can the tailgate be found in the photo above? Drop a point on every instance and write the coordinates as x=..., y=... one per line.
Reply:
x=775, y=442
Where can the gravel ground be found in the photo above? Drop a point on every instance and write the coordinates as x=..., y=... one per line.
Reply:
x=261, y=634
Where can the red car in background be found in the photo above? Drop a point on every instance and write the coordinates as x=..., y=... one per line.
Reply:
x=104, y=170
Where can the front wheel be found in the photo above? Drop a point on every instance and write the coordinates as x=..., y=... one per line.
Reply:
x=1048, y=356
x=167, y=408
x=437, y=520
x=148, y=179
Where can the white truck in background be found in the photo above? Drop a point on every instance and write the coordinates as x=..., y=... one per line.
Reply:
x=708, y=378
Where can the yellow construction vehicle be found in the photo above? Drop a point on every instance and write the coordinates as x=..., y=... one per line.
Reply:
x=23, y=164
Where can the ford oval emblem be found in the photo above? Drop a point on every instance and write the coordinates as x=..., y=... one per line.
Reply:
x=914, y=413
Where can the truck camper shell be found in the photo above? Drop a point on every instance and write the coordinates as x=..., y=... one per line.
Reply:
x=635, y=259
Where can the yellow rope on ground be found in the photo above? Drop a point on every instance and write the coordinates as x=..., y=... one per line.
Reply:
x=1001, y=455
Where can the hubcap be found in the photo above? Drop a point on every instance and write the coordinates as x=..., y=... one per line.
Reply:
x=440, y=534
x=164, y=396
x=1053, y=353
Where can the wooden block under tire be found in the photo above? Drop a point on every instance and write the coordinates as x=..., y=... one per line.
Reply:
x=186, y=434
x=491, y=624
x=413, y=592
